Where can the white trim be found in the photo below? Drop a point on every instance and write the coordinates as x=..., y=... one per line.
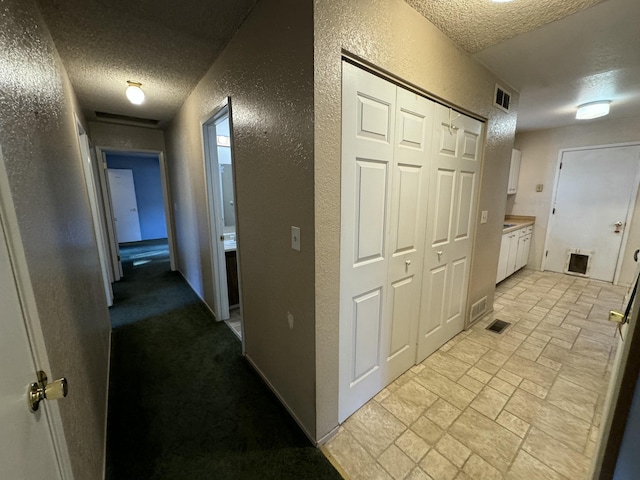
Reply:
x=31, y=316
x=198, y=295
x=630, y=207
x=282, y=400
x=613, y=391
x=114, y=253
x=325, y=438
x=94, y=204
x=166, y=197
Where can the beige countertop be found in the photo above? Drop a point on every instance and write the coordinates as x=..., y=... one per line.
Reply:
x=516, y=222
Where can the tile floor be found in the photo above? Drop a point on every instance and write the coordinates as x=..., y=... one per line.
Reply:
x=235, y=322
x=524, y=404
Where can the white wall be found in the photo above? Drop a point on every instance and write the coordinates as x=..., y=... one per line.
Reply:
x=540, y=150
x=40, y=147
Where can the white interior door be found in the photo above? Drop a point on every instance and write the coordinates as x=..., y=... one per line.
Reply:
x=386, y=140
x=410, y=183
x=26, y=443
x=125, y=205
x=219, y=121
x=455, y=165
x=595, y=190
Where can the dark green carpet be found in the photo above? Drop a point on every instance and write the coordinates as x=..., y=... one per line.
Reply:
x=183, y=402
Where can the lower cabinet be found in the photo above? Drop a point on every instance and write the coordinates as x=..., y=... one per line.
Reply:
x=514, y=251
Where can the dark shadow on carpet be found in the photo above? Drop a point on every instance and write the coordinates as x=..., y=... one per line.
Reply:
x=184, y=403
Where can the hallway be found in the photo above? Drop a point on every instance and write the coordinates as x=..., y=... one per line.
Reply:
x=183, y=403
x=525, y=404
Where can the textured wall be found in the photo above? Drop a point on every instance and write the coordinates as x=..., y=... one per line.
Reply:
x=395, y=38
x=267, y=71
x=126, y=137
x=40, y=146
x=540, y=151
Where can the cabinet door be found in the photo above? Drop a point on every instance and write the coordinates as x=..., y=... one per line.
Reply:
x=524, y=244
x=503, y=259
x=513, y=253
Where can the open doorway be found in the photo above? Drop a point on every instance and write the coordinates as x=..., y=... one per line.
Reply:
x=219, y=167
x=138, y=208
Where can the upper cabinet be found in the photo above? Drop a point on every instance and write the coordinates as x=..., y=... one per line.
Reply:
x=514, y=172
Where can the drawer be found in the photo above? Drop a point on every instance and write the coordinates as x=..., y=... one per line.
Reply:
x=525, y=231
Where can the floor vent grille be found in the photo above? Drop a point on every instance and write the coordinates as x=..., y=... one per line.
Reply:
x=498, y=326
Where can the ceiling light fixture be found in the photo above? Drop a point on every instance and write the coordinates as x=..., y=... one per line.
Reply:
x=593, y=110
x=501, y=1
x=134, y=93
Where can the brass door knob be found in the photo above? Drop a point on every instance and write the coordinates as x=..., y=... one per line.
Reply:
x=44, y=390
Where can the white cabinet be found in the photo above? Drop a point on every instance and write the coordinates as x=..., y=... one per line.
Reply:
x=508, y=256
x=514, y=171
x=514, y=251
x=524, y=245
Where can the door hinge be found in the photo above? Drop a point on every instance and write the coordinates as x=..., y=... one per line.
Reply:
x=104, y=165
x=553, y=212
x=546, y=254
x=560, y=165
x=118, y=257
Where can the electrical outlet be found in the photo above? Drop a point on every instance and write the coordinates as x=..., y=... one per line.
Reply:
x=484, y=216
x=539, y=187
x=290, y=320
x=295, y=238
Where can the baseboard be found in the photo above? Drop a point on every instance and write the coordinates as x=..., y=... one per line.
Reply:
x=484, y=315
x=328, y=436
x=106, y=413
x=282, y=401
x=197, y=294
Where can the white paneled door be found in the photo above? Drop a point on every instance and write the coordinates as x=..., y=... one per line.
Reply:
x=409, y=174
x=386, y=137
x=595, y=191
x=455, y=166
x=125, y=205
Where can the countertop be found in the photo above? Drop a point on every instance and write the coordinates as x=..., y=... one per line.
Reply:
x=518, y=221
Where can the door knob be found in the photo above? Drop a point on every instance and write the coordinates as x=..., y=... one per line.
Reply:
x=439, y=252
x=618, y=226
x=46, y=391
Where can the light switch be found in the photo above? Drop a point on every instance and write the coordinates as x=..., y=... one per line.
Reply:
x=484, y=216
x=295, y=238
x=539, y=187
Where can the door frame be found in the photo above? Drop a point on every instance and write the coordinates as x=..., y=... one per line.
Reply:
x=101, y=152
x=88, y=160
x=620, y=393
x=630, y=208
x=214, y=210
x=33, y=327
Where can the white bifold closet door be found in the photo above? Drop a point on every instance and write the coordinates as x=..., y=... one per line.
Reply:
x=454, y=170
x=400, y=207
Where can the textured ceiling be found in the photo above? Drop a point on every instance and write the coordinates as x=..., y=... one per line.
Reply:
x=164, y=44
x=477, y=24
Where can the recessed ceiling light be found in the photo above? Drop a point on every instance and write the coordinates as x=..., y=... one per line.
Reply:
x=501, y=1
x=593, y=110
x=134, y=93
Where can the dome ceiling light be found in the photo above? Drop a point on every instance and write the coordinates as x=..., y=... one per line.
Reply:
x=593, y=110
x=134, y=93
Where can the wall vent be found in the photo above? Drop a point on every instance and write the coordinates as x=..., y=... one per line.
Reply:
x=502, y=99
x=478, y=309
x=126, y=119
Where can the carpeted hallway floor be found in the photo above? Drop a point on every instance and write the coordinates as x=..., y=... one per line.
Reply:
x=183, y=402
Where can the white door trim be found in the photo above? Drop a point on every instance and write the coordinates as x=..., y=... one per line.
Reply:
x=213, y=193
x=630, y=209
x=31, y=317
x=94, y=202
x=168, y=213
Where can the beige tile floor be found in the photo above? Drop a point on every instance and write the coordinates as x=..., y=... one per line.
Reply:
x=235, y=322
x=522, y=405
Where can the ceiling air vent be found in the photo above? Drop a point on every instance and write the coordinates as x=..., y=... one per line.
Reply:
x=126, y=120
x=502, y=99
